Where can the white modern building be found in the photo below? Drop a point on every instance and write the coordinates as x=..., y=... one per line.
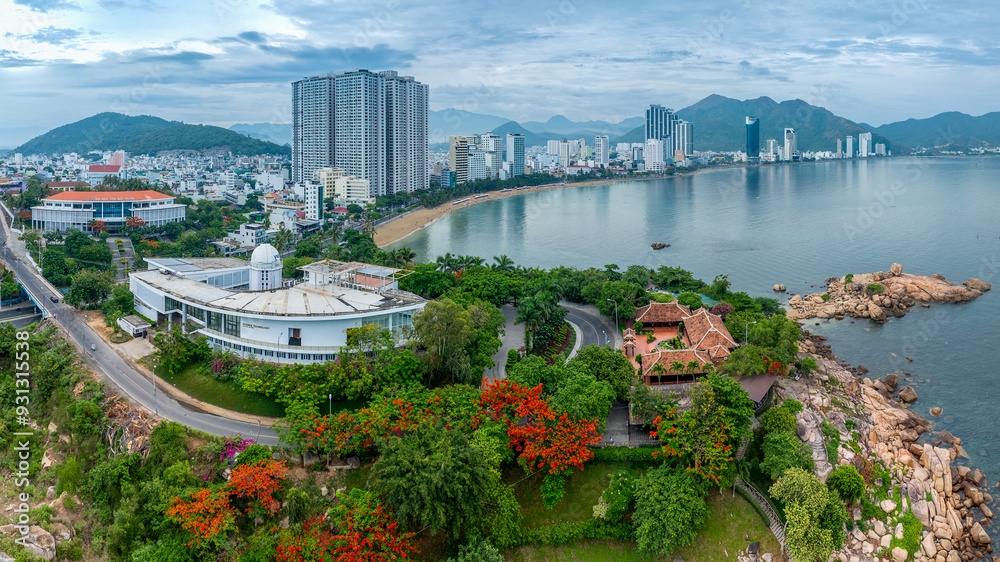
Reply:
x=602, y=151
x=246, y=308
x=515, y=154
x=77, y=209
x=850, y=148
x=654, y=155
x=865, y=145
x=374, y=126
x=791, y=145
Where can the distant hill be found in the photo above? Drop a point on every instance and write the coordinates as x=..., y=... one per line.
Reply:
x=530, y=139
x=720, y=124
x=143, y=134
x=945, y=129
x=278, y=133
x=447, y=122
x=575, y=129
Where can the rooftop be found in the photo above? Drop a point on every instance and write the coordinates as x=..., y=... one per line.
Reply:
x=108, y=196
x=191, y=265
x=299, y=300
x=104, y=169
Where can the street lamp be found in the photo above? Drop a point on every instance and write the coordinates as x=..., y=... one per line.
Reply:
x=605, y=337
x=745, y=328
x=330, y=396
x=616, y=311
x=156, y=407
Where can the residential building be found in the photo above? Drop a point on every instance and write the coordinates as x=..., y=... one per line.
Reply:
x=344, y=189
x=791, y=146
x=850, y=147
x=515, y=154
x=654, y=155
x=865, y=145
x=552, y=147
x=448, y=178
x=660, y=123
x=479, y=164
x=564, y=152
x=840, y=148
x=458, y=157
x=372, y=125
x=97, y=173
x=117, y=158
x=313, y=192
x=684, y=138
x=248, y=309
x=880, y=149
x=602, y=151
x=77, y=209
x=753, y=139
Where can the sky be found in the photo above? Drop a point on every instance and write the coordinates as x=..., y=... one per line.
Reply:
x=225, y=61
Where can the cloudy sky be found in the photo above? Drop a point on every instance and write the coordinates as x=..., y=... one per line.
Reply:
x=227, y=61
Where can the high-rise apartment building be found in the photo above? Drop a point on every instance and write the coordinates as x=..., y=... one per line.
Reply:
x=850, y=148
x=515, y=154
x=879, y=149
x=655, y=155
x=552, y=147
x=753, y=139
x=602, y=151
x=865, y=145
x=458, y=157
x=659, y=122
x=840, y=148
x=791, y=145
x=117, y=158
x=564, y=152
x=374, y=126
x=685, y=138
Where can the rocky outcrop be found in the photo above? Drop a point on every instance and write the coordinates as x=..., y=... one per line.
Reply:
x=881, y=295
x=659, y=245
x=779, y=288
x=950, y=501
x=38, y=541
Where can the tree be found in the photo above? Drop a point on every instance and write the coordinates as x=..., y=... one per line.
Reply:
x=503, y=264
x=778, y=420
x=431, y=478
x=283, y=238
x=427, y=281
x=814, y=514
x=446, y=330
x=206, y=514
x=358, y=528
x=778, y=334
x=783, y=451
x=534, y=370
x=89, y=287
x=848, y=484
x=584, y=397
x=690, y=300
x=252, y=486
x=669, y=509
x=608, y=365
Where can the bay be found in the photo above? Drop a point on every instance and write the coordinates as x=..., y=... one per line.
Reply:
x=795, y=224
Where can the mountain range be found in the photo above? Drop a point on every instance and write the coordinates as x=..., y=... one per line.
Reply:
x=719, y=125
x=143, y=134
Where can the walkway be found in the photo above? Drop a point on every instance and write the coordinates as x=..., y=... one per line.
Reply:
x=513, y=338
x=772, y=516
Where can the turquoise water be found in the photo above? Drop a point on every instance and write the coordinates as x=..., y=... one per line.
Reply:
x=798, y=225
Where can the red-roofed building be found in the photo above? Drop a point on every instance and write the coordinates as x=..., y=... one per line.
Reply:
x=79, y=210
x=98, y=172
x=65, y=185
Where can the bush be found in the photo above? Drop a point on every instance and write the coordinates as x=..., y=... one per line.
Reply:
x=643, y=455
x=825, y=296
x=254, y=453
x=875, y=288
x=511, y=357
x=782, y=451
x=477, y=550
x=778, y=419
x=670, y=508
x=553, y=489
x=912, y=529
x=70, y=475
x=848, y=484
x=690, y=300
x=833, y=442
x=792, y=405
x=848, y=278
x=808, y=365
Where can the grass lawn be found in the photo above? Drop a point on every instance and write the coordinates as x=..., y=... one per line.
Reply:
x=226, y=395
x=583, y=488
x=720, y=539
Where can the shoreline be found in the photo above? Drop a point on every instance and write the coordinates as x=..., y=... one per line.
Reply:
x=413, y=221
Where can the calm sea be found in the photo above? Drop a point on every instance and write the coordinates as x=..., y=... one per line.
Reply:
x=798, y=225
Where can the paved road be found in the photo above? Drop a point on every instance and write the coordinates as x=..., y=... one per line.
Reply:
x=115, y=371
x=596, y=331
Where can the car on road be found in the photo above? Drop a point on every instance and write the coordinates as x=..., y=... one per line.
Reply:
x=53, y=299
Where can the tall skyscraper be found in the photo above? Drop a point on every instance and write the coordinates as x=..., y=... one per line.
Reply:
x=791, y=146
x=850, y=148
x=660, y=122
x=458, y=157
x=840, y=148
x=515, y=153
x=865, y=145
x=373, y=126
x=655, y=155
x=564, y=152
x=685, y=137
x=552, y=147
x=602, y=151
x=753, y=139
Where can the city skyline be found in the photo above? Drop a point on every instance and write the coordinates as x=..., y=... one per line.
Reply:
x=217, y=63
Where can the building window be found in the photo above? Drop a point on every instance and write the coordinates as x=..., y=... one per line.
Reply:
x=214, y=321
x=231, y=325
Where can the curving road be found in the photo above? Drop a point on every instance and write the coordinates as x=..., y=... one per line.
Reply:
x=596, y=330
x=114, y=370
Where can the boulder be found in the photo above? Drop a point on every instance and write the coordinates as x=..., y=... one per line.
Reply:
x=38, y=541
x=353, y=461
x=908, y=394
x=935, y=411
x=899, y=555
x=887, y=506
x=896, y=269
x=4, y=557
x=891, y=380
x=928, y=545
x=779, y=288
x=875, y=312
x=978, y=284
x=50, y=493
x=948, y=438
x=979, y=535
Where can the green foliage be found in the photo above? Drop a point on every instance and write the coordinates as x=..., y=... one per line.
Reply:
x=533, y=370
x=825, y=296
x=70, y=476
x=736, y=322
x=768, y=305
x=167, y=446
x=669, y=509
x=690, y=300
x=832, y=436
x=808, y=365
x=427, y=281
x=875, y=288
x=461, y=341
x=648, y=405
x=783, y=451
x=608, y=365
x=912, y=529
x=253, y=454
x=553, y=489
x=871, y=510
x=618, y=498
x=849, y=278
x=848, y=484
x=815, y=516
x=583, y=397
x=676, y=280
x=778, y=334
x=719, y=287
x=432, y=478
x=792, y=405
x=477, y=550
x=778, y=419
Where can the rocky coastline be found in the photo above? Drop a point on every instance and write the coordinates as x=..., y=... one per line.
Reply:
x=880, y=434
x=880, y=295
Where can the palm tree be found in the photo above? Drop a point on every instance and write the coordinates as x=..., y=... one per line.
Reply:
x=677, y=367
x=406, y=256
x=446, y=262
x=503, y=264
x=334, y=232
x=658, y=369
x=368, y=229
x=693, y=367
x=473, y=260
x=283, y=238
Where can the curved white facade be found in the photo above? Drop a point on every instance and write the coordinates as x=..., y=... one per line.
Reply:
x=305, y=323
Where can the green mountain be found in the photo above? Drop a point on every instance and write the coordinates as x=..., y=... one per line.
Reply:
x=945, y=129
x=720, y=124
x=530, y=139
x=143, y=134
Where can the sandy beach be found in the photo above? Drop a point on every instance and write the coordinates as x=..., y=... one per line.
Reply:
x=413, y=221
